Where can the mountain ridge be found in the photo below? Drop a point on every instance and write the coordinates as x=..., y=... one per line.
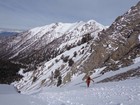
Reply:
x=40, y=37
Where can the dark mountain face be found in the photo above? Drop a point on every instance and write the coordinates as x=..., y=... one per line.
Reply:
x=9, y=72
x=4, y=32
x=8, y=33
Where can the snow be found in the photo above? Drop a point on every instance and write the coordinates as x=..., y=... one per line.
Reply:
x=43, y=72
x=125, y=92
x=36, y=38
x=7, y=89
x=114, y=93
x=9, y=96
x=136, y=60
x=129, y=11
x=62, y=28
x=139, y=38
x=75, y=92
x=121, y=70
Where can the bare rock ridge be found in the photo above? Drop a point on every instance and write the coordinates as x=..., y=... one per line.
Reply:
x=119, y=44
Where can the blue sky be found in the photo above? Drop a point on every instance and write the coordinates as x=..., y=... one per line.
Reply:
x=26, y=14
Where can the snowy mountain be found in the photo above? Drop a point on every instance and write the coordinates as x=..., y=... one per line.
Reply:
x=37, y=43
x=36, y=46
x=73, y=51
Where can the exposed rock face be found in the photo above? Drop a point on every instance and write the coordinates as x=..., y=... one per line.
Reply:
x=117, y=42
x=123, y=76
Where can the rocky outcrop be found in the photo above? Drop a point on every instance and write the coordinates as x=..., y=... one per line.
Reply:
x=134, y=73
x=117, y=42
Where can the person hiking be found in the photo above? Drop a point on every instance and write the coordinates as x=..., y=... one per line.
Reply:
x=88, y=80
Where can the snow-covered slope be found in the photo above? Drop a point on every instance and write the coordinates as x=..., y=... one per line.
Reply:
x=43, y=76
x=9, y=96
x=125, y=92
x=114, y=93
x=44, y=72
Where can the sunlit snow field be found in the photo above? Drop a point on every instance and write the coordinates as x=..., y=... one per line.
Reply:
x=125, y=92
x=114, y=93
